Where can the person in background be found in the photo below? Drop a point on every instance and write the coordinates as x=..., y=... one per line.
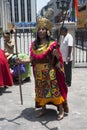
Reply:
x=66, y=47
x=5, y=75
x=8, y=45
x=9, y=51
x=48, y=70
x=23, y=59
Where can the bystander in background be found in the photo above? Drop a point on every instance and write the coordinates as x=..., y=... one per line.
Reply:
x=66, y=47
x=8, y=45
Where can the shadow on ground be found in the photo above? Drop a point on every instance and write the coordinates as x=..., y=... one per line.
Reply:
x=30, y=114
x=4, y=90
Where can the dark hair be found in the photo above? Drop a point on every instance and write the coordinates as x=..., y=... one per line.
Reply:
x=37, y=40
x=64, y=28
x=11, y=31
x=6, y=33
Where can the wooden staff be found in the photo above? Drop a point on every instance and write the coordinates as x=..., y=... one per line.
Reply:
x=19, y=74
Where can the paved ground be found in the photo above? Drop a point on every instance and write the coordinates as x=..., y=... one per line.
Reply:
x=14, y=116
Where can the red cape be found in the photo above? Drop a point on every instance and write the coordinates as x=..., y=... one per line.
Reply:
x=5, y=75
x=59, y=68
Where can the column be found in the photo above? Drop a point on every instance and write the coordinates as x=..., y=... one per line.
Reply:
x=13, y=13
x=26, y=11
x=19, y=9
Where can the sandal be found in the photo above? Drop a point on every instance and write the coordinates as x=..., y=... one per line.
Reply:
x=60, y=116
x=61, y=113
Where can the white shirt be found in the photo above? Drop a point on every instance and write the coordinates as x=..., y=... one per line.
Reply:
x=65, y=43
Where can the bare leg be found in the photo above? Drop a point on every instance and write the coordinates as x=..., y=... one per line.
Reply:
x=61, y=112
x=66, y=108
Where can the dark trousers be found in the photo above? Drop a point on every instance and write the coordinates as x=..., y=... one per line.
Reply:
x=68, y=72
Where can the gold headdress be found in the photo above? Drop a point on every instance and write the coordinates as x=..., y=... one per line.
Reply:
x=44, y=22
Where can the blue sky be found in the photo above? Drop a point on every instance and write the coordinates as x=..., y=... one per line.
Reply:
x=41, y=3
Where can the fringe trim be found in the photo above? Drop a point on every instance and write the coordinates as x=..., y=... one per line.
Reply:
x=55, y=101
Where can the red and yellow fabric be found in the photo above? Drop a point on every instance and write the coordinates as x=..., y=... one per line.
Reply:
x=48, y=88
x=73, y=10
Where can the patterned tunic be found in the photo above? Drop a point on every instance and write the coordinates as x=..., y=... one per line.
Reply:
x=47, y=88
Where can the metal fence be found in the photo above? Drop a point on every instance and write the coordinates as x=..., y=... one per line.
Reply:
x=81, y=48
x=24, y=40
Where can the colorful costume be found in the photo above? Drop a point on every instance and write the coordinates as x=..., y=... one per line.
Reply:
x=49, y=75
x=5, y=75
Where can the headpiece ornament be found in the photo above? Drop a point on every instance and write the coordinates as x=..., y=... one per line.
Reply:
x=44, y=22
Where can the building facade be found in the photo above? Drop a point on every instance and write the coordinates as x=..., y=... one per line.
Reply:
x=81, y=2
x=23, y=10
x=5, y=16
x=82, y=17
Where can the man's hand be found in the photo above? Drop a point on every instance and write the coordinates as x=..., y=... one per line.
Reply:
x=67, y=60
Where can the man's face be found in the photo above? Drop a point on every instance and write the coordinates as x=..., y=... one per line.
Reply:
x=63, y=32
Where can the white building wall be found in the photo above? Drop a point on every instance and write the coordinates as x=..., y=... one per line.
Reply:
x=8, y=12
x=0, y=13
x=19, y=10
x=5, y=14
x=33, y=10
x=25, y=10
x=13, y=13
